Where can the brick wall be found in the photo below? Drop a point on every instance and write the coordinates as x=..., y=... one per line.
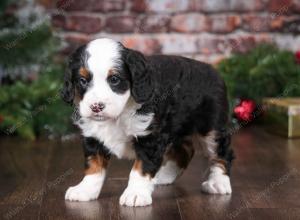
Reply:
x=203, y=29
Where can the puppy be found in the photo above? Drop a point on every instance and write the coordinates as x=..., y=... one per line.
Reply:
x=152, y=109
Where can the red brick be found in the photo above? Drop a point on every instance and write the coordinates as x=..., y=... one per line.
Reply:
x=91, y=5
x=74, y=41
x=277, y=23
x=209, y=44
x=77, y=38
x=178, y=43
x=58, y=20
x=241, y=44
x=83, y=23
x=144, y=44
x=280, y=7
x=224, y=23
x=255, y=23
x=249, y=5
x=154, y=24
x=215, y=6
x=120, y=24
x=231, y=5
x=262, y=23
x=108, y=5
x=166, y=6
x=263, y=38
x=139, y=5
x=195, y=5
x=189, y=23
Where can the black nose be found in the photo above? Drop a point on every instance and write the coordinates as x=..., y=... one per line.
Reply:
x=97, y=107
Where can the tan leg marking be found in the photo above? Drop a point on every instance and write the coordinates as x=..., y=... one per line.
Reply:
x=90, y=186
x=96, y=164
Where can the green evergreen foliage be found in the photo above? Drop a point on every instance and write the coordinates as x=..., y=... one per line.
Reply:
x=32, y=109
x=265, y=71
x=26, y=40
x=30, y=79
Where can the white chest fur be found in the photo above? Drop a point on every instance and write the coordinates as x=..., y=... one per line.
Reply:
x=117, y=135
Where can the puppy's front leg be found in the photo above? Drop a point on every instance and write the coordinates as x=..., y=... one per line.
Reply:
x=96, y=160
x=140, y=187
x=149, y=150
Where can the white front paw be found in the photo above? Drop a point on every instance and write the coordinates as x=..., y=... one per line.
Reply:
x=217, y=184
x=88, y=189
x=80, y=193
x=136, y=197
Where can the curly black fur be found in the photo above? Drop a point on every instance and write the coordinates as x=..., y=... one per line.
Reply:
x=189, y=97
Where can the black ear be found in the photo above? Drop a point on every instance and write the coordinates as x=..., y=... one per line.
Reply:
x=140, y=74
x=68, y=91
x=76, y=60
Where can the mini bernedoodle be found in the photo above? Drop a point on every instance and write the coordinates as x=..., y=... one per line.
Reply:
x=153, y=109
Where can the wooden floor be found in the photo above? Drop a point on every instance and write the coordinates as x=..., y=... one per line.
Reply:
x=265, y=179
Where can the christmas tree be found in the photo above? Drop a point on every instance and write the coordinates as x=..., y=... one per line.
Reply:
x=26, y=40
x=30, y=79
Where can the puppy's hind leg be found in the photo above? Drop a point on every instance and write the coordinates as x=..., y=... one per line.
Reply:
x=175, y=162
x=220, y=155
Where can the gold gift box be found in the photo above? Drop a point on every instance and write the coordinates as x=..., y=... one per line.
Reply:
x=282, y=116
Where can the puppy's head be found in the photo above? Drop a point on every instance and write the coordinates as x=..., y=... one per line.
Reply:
x=102, y=76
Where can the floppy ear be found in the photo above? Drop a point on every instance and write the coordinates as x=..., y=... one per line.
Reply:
x=140, y=74
x=68, y=91
x=75, y=62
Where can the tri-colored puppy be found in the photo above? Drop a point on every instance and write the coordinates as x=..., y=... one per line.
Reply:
x=153, y=109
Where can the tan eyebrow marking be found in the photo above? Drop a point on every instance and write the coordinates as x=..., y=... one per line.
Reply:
x=84, y=72
x=110, y=72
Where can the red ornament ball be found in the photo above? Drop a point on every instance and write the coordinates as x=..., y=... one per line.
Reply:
x=244, y=111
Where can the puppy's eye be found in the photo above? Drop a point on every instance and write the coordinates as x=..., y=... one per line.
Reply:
x=83, y=81
x=114, y=80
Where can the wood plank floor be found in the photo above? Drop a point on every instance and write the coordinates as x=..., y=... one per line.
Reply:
x=265, y=179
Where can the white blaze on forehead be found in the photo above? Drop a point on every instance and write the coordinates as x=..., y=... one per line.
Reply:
x=104, y=54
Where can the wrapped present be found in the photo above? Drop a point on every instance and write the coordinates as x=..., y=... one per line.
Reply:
x=282, y=116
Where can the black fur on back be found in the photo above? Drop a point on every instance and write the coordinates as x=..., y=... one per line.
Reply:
x=189, y=97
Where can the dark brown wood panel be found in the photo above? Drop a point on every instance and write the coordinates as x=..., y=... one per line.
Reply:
x=23, y=177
